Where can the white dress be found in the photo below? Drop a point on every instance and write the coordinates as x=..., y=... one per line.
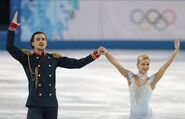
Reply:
x=140, y=98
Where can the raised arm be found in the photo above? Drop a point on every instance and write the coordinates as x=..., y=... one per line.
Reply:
x=11, y=34
x=118, y=66
x=11, y=48
x=161, y=71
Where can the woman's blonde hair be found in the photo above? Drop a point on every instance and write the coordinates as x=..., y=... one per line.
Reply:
x=142, y=57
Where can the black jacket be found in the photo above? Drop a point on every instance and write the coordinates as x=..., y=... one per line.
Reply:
x=40, y=72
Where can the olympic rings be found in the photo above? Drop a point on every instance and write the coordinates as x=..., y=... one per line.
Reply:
x=154, y=18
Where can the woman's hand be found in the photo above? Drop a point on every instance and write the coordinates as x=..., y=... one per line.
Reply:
x=102, y=50
x=177, y=44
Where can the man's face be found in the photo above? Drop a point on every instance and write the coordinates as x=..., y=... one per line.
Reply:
x=39, y=42
x=143, y=66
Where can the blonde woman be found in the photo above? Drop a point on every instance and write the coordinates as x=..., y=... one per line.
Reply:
x=141, y=85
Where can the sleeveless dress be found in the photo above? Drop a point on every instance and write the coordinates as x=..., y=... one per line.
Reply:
x=140, y=98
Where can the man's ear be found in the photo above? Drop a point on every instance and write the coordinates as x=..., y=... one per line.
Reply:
x=46, y=43
x=32, y=43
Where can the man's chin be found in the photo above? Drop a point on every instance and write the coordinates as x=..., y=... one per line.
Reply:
x=41, y=49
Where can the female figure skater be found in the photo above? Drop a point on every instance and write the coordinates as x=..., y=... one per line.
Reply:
x=141, y=85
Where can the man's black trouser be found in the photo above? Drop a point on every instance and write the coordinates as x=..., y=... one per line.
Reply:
x=42, y=113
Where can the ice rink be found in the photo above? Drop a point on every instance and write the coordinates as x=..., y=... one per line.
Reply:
x=97, y=91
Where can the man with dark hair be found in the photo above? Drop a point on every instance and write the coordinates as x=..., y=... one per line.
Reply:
x=40, y=69
x=33, y=36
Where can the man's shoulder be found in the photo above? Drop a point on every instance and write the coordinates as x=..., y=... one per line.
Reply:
x=27, y=51
x=55, y=55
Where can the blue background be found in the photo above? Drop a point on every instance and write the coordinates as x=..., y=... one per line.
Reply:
x=88, y=44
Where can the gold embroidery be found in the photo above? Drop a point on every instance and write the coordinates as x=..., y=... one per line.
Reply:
x=26, y=51
x=56, y=55
x=33, y=73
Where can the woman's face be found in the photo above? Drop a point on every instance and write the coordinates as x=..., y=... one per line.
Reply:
x=143, y=65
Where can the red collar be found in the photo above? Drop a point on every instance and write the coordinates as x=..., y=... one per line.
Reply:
x=37, y=54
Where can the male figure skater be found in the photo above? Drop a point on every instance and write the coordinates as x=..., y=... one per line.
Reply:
x=40, y=67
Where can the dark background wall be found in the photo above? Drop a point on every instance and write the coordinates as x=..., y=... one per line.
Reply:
x=4, y=14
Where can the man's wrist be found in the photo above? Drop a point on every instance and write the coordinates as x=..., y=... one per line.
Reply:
x=13, y=26
x=95, y=55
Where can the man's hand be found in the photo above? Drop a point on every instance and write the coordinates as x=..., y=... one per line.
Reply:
x=97, y=53
x=14, y=23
